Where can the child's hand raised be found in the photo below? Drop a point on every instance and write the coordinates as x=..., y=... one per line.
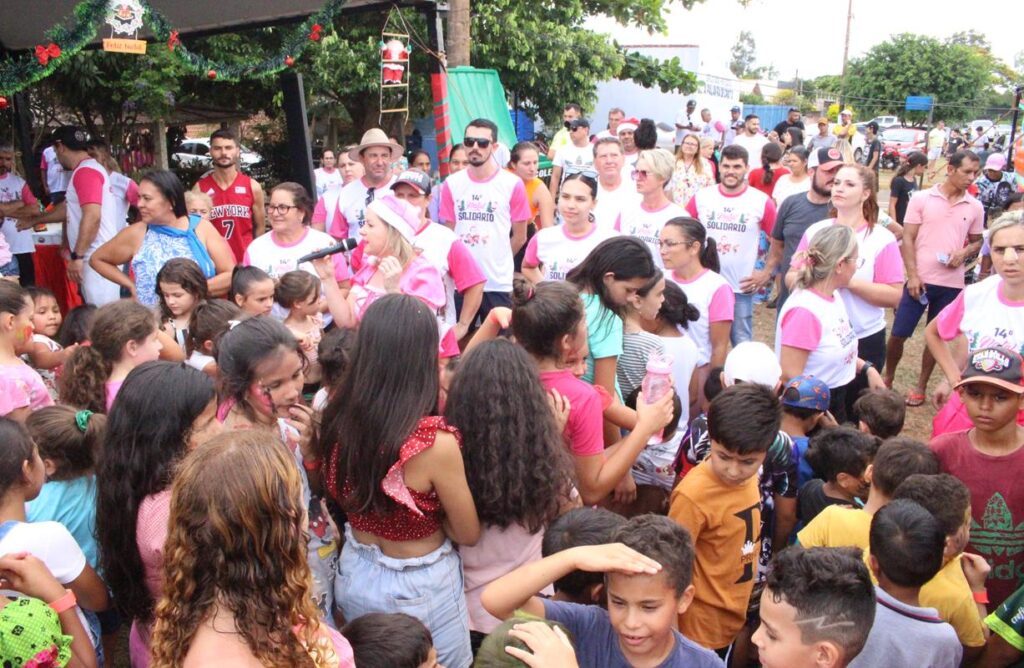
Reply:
x=614, y=557
x=652, y=418
x=549, y=647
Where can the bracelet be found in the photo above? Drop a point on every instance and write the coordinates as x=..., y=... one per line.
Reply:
x=981, y=596
x=311, y=464
x=65, y=602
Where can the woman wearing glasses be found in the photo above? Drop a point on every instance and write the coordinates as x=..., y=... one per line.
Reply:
x=692, y=171
x=644, y=221
x=877, y=283
x=165, y=231
x=815, y=335
x=554, y=251
x=291, y=237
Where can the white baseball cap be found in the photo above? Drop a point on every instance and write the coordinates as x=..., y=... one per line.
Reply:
x=752, y=362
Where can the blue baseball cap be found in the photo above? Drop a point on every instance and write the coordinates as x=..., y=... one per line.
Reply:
x=806, y=392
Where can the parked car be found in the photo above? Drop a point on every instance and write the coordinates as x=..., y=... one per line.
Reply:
x=897, y=143
x=884, y=122
x=195, y=153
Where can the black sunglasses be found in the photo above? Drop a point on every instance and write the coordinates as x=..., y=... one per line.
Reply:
x=476, y=141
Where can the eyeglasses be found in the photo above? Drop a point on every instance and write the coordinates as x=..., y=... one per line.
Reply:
x=640, y=173
x=280, y=208
x=671, y=244
x=476, y=141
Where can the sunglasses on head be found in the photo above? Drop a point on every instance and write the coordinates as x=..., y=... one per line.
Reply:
x=476, y=141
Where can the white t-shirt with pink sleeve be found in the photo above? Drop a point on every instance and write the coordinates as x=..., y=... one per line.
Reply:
x=557, y=252
x=637, y=221
x=735, y=221
x=459, y=271
x=820, y=325
x=278, y=258
x=985, y=316
x=12, y=189
x=483, y=213
x=879, y=261
x=715, y=301
x=91, y=185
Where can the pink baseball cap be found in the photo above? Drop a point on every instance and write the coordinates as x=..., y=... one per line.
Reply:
x=996, y=161
x=399, y=214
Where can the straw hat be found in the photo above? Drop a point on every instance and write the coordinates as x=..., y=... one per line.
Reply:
x=374, y=137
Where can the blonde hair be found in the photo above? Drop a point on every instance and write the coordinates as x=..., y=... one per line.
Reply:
x=661, y=162
x=846, y=150
x=828, y=248
x=195, y=199
x=1005, y=221
x=707, y=141
x=698, y=159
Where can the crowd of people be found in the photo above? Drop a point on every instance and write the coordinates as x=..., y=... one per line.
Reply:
x=512, y=423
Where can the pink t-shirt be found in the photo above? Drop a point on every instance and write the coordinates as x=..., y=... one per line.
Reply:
x=497, y=553
x=735, y=221
x=113, y=387
x=820, y=325
x=483, y=213
x=878, y=261
x=943, y=229
x=715, y=301
x=558, y=252
x=21, y=386
x=420, y=279
x=584, y=430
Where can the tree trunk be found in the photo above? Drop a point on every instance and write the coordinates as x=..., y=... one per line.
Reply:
x=458, y=33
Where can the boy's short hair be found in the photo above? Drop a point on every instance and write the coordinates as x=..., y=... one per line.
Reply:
x=946, y=497
x=663, y=540
x=831, y=590
x=744, y=418
x=394, y=640
x=899, y=458
x=580, y=526
x=492, y=652
x=677, y=412
x=713, y=385
x=840, y=450
x=882, y=410
x=908, y=543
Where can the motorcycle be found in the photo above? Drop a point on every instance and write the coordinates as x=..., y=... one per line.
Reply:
x=890, y=158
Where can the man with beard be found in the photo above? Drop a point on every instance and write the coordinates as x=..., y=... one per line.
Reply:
x=627, y=137
x=376, y=153
x=15, y=198
x=734, y=215
x=238, y=203
x=795, y=215
x=488, y=209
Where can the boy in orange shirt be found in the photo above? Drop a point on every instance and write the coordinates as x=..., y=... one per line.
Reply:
x=718, y=501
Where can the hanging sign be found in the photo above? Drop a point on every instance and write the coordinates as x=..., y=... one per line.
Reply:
x=125, y=18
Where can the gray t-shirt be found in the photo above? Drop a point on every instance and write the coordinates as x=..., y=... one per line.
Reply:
x=597, y=645
x=903, y=635
x=795, y=215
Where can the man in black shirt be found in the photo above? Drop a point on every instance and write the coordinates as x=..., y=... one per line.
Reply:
x=792, y=121
x=873, y=156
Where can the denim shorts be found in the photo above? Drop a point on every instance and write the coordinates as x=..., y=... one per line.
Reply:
x=910, y=310
x=430, y=588
x=12, y=269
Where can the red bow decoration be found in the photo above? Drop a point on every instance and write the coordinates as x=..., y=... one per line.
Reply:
x=173, y=40
x=45, y=53
x=314, y=34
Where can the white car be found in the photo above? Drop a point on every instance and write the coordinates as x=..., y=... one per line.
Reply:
x=195, y=153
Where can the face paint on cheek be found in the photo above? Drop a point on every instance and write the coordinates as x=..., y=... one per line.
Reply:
x=261, y=397
x=25, y=334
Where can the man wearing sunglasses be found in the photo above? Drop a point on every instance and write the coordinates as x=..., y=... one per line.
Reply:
x=577, y=156
x=376, y=152
x=488, y=209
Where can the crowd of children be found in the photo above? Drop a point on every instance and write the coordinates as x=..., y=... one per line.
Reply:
x=303, y=476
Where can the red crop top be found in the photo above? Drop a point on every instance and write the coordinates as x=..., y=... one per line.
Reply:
x=418, y=514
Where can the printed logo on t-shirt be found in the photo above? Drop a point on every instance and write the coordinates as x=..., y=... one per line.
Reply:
x=998, y=536
x=476, y=210
x=239, y=190
x=727, y=219
x=748, y=549
x=843, y=331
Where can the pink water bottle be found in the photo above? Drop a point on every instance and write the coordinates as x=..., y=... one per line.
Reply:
x=657, y=383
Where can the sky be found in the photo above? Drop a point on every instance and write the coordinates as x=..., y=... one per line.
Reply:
x=808, y=37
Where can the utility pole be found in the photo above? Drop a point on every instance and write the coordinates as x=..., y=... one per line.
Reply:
x=458, y=33
x=846, y=51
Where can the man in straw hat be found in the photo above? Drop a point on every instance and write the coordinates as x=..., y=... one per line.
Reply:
x=376, y=153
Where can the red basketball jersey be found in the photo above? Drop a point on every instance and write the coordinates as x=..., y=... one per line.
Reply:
x=232, y=210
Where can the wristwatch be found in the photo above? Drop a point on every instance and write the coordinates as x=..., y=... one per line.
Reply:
x=75, y=256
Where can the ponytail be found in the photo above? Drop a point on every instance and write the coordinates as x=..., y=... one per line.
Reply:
x=543, y=314
x=677, y=309
x=914, y=159
x=828, y=248
x=770, y=154
x=709, y=256
x=694, y=232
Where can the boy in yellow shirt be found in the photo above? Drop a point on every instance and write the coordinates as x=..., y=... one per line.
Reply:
x=719, y=502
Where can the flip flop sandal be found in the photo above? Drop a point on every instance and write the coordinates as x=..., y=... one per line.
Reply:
x=915, y=399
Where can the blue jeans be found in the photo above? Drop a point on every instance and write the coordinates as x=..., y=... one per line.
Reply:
x=742, y=319
x=430, y=588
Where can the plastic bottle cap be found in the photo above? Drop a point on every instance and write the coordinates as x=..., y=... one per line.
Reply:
x=659, y=364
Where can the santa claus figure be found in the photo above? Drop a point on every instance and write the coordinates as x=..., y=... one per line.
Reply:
x=394, y=54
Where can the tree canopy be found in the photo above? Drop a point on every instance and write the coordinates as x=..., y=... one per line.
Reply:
x=744, y=59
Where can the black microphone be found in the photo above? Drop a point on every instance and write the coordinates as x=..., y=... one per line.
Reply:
x=342, y=246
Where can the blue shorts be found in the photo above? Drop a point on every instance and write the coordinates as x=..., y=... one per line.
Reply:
x=909, y=311
x=11, y=270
